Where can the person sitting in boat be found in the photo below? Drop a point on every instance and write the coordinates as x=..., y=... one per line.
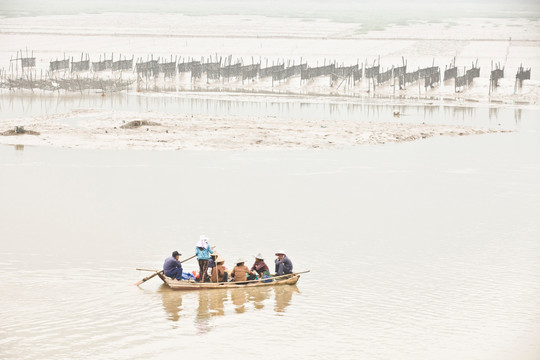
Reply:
x=240, y=272
x=219, y=272
x=260, y=266
x=203, y=251
x=172, y=267
x=283, y=263
x=212, y=262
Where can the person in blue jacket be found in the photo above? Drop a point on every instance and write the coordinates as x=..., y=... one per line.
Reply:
x=203, y=251
x=173, y=267
x=283, y=263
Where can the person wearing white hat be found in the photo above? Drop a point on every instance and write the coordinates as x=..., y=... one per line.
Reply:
x=203, y=251
x=283, y=263
x=260, y=266
x=240, y=271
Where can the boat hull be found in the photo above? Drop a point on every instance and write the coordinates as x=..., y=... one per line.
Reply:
x=189, y=285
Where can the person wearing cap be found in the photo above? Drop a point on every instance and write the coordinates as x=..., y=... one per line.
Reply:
x=260, y=266
x=219, y=273
x=283, y=264
x=240, y=271
x=172, y=267
x=203, y=251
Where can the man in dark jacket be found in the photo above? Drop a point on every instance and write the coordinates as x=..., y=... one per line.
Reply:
x=173, y=267
x=283, y=264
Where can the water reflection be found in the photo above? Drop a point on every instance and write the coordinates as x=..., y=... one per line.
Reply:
x=461, y=114
x=283, y=297
x=493, y=113
x=211, y=303
x=517, y=115
x=172, y=302
x=219, y=302
x=216, y=104
x=19, y=147
x=255, y=296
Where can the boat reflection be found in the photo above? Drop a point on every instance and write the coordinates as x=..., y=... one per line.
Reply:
x=255, y=296
x=283, y=297
x=219, y=302
x=211, y=303
x=172, y=304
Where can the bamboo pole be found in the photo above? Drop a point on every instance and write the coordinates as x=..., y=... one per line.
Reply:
x=152, y=270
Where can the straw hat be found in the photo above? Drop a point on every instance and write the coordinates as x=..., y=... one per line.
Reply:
x=220, y=260
x=259, y=256
x=239, y=260
x=280, y=252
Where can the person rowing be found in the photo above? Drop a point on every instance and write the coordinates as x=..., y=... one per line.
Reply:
x=203, y=251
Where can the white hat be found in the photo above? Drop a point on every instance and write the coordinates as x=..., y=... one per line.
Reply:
x=240, y=260
x=202, y=243
x=280, y=252
x=259, y=256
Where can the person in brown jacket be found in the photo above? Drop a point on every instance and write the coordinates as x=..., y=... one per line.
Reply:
x=240, y=271
x=218, y=272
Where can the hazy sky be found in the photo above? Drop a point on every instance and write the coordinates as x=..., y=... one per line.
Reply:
x=344, y=9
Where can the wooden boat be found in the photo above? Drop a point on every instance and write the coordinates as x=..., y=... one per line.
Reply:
x=289, y=279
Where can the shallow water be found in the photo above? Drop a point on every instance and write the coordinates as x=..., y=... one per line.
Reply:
x=265, y=105
x=418, y=250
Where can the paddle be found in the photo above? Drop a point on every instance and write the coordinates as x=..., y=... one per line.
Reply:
x=159, y=272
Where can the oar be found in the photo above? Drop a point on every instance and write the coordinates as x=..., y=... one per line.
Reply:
x=159, y=272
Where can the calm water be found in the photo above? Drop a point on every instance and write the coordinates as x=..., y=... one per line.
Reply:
x=15, y=105
x=422, y=250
